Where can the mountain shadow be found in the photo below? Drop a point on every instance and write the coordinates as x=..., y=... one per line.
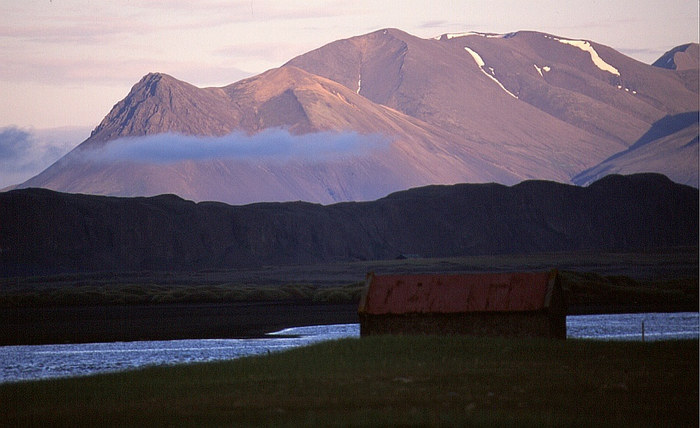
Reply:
x=47, y=232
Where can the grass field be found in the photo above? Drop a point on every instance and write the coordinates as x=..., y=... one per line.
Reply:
x=108, y=306
x=664, y=278
x=379, y=381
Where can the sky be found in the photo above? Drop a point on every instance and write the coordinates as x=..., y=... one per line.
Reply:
x=65, y=63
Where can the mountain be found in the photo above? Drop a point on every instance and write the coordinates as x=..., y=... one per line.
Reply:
x=684, y=57
x=415, y=153
x=362, y=117
x=49, y=232
x=581, y=83
x=670, y=146
x=462, y=81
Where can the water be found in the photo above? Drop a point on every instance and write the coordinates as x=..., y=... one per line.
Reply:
x=656, y=326
x=49, y=361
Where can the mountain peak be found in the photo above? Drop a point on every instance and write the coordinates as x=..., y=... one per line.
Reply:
x=474, y=107
x=683, y=57
x=448, y=36
x=392, y=32
x=155, y=76
x=160, y=103
x=287, y=76
x=152, y=82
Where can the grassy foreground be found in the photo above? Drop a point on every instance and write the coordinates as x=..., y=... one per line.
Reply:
x=423, y=380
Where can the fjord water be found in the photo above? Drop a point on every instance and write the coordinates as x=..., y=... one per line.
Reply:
x=49, y=361
x=642, y=326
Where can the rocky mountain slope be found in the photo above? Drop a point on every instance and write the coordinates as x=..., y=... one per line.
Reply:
x=362, y=117
x=670, y=146
x=48, y=232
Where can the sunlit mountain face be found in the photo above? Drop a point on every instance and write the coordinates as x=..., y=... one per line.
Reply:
x=363, y=117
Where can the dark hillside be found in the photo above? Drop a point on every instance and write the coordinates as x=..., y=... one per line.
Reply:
x=43, y=232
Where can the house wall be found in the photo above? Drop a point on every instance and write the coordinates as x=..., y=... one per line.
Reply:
x=508, y=324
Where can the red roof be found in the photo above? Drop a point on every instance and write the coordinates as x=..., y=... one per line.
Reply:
x=488, y=292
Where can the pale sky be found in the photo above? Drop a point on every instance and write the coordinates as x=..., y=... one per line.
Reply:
x=67, y=62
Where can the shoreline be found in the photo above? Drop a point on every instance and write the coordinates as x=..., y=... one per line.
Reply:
x=125, y=323
x=235, y=320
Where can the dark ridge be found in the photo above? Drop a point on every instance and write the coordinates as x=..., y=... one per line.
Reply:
x=44, y=232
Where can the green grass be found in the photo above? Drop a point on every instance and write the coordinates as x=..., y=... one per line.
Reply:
x=88, y=294
x=379, y=381
x=585, y=289
x=594, y=278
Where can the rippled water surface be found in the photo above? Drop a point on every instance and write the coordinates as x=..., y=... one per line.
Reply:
x=648, y=326
x=47, y=361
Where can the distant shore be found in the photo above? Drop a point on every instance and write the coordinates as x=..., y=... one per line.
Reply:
x=124, y=323
x=144, y=305
x=81, y=324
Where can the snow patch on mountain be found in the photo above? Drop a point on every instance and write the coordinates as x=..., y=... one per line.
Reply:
x=490, y=74
x=539, y=69
x=627, y=89
x=475, y=33
x=587, y=47
x=479, y=61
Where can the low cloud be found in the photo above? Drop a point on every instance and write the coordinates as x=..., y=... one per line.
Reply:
x=646, y=55
x=434, y=24
x=276, y=145
x=25, y=153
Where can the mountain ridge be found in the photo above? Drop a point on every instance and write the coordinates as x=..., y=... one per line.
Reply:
x=47, y=232
x=683, y=57
x=676, y=136
x=471, y=107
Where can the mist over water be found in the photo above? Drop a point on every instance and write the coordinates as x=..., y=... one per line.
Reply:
x=274, y=144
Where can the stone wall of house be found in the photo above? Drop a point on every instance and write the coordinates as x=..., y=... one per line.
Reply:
x=507, y=324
